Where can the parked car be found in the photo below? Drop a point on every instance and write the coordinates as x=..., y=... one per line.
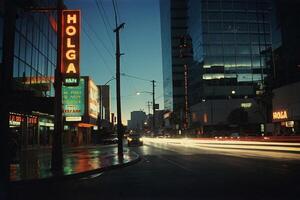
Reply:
x=134, y=139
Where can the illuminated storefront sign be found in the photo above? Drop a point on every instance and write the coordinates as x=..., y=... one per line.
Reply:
x=93, y=100
x=73, y=119
x=280, y=115
x=70, y=47
x=17, y=119
x=246, y=105
x=73, y=100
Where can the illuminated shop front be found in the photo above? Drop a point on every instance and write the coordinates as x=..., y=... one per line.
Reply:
x=283, y=123
x=286, y=110
x=80, y=111
x=32, y=63
x=33, y=129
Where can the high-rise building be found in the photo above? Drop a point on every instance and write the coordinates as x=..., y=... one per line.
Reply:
x=176, y=51
x=286, y=40
x=231, y=51
x=231, y=48
x=137, y=120
x=105, y=102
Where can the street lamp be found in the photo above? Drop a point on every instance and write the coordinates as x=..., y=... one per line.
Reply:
x=233, y=92
x=112, y=78
x=153, y=103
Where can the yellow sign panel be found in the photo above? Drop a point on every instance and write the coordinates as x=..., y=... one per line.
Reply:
x=280, y=115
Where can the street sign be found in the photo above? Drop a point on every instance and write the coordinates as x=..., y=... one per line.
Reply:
x=73, y=101
x=70, y=47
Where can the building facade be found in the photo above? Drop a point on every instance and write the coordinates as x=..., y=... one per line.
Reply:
x=104, y=117
x=137, y=120
x=286, y=50
x=286, y=42
x=231, y=51
x=31, y=36
x=80, y=110
x=176, y=57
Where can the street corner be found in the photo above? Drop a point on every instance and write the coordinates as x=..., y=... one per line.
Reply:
x=76, y=165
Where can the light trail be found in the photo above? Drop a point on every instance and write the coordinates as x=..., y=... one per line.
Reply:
x=238, y=148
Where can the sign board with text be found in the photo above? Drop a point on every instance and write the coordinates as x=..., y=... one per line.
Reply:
x=74, y=101
x=93, y=100
x=70, y=47
x=280, y=115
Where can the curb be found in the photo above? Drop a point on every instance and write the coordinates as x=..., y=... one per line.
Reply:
x=76, y=175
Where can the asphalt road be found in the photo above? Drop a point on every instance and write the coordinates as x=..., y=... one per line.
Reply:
x=179, y=172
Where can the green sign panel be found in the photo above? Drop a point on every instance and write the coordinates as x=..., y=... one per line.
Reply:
x=73, y=100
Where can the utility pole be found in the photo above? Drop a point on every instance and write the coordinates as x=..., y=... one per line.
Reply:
x=57, y=157
x=153, y=105
x=118, y=91
x=148, y=105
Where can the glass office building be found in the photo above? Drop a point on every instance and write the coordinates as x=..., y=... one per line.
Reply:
x=35, y=50
x=232, y=58
x=173, y=30
x=231, y=44
x=33, y=63
x=165, y=15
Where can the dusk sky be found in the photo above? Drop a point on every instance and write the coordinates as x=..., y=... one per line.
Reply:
x=140, y=42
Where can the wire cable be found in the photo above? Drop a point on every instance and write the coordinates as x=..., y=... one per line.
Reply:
x=105, y=14
x=99, y=38
x=104, y=22
x=135, y=77
x=98, y=51
x=117, y=9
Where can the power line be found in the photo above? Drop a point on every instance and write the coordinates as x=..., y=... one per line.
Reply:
x=99, y=38
x=135, y=77
x=115, y=11
x=117, y=8
x=102, y=17
x=105, y=14
x=97, y=50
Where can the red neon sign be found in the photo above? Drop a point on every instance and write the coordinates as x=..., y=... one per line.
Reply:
x=70, y=47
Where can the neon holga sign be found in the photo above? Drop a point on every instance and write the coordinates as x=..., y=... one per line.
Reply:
x=70, y=47
x=280, y=114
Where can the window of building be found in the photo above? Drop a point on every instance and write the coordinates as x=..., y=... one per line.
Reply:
x=215, y=50
x=213, y=5
x=243, y=49
x=215, y=27
x=242, y=27
x=229, y=38
x=214, y=16
x=229, y=61
x=243, y=61
x=242, y=38
x=229, y=50
x=228, y=16
x=227, y=5
x=241, y=16
x=239, y=5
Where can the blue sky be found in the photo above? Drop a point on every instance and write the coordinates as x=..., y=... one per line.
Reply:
x=140, y=42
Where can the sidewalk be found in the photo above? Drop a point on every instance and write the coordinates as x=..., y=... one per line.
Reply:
x=78, y=162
